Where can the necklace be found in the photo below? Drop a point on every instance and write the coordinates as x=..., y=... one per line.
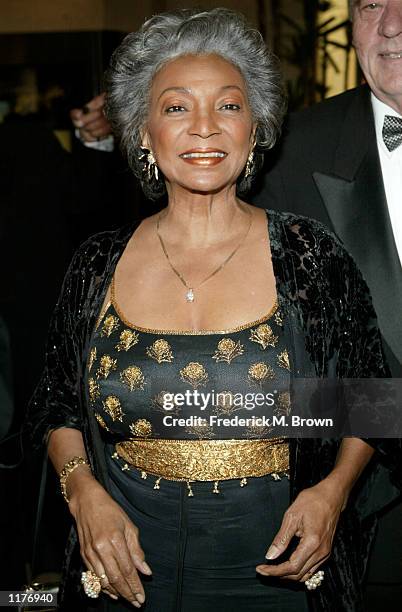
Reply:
x=190, y=297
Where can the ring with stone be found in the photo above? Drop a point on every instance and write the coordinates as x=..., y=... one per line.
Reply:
x=91, y=583
x=315, y=580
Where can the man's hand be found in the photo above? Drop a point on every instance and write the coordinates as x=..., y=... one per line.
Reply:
x=91, y=121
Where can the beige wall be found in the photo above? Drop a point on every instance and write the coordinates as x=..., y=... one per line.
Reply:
x=50, y=15
x=336, y=81
x=80, y=15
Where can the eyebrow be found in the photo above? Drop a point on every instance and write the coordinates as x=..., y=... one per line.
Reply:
x=188, y=91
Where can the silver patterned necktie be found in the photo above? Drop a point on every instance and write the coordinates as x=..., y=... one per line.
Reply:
x=392, y=132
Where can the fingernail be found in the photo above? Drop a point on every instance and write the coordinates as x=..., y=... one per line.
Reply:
x=146, y=567
x=140, y=597
x=136, y=604
x=272, y=553
x=113, y=596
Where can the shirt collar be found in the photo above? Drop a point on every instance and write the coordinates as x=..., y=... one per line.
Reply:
x=380, y=109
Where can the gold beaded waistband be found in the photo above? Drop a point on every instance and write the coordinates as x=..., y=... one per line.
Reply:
x=192, y=460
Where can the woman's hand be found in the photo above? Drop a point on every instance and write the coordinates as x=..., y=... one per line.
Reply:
x=109, y=541
x=313, y=518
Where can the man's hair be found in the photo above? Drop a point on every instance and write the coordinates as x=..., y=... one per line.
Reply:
x=171, y=35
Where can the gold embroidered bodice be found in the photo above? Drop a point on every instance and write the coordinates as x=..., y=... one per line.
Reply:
x=159, y=384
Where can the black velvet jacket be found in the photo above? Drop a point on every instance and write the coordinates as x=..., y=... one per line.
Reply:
x=330, y=330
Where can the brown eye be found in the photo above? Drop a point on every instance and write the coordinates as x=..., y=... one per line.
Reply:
x=174, y=109
x=231, y=106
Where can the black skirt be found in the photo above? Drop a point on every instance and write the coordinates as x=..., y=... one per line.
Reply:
x=203, y=549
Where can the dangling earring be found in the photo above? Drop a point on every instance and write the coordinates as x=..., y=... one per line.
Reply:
x=249, y=164
x=150, y=167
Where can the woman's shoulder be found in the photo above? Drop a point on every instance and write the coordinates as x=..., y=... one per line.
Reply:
x=100, y=247
x=305, y=234
x=294, y=222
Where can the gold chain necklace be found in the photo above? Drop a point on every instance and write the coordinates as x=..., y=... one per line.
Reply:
x=190, y=297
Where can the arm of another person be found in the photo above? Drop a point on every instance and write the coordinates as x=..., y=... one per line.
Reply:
x=91, y=123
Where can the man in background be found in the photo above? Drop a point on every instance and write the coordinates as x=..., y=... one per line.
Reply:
x=341, y=162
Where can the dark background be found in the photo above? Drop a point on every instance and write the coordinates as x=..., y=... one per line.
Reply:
x=54, y=193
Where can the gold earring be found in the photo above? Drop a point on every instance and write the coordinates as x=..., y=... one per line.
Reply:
x=150, y=167
x=249, y=164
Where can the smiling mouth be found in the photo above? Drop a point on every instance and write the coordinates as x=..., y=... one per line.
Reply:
x=392, y=55
x=206, y=155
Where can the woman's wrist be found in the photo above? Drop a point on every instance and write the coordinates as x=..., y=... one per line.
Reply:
x=78, y=481
x=336, y=489
x=353, y=456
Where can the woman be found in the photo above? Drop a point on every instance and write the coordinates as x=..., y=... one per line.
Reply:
x=209, y=294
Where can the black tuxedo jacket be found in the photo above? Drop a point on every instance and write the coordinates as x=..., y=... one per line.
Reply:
x=327, y=167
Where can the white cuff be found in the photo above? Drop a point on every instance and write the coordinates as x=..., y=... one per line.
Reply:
x=106, y=144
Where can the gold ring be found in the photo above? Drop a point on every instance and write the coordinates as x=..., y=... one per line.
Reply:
x=91, y=583
x=315, y=580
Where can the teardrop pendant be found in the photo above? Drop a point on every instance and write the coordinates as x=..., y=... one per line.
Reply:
x=190, y=295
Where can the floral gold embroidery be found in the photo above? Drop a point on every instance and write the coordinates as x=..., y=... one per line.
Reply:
x=278, y=318
x=225, y=401
x=128, y=338
x=264, y=336
x=159, y=402
x=110, y=324
x=101, y=421
x=92, y=358
x=259, y=372
x=141, y=427
x=283, y=403
x=160, y=351
x=194, y=373
x=94, y=390
x=133, y=378
x=112, y=406
x=227, y=350
x=106, y=365
x=283, y=360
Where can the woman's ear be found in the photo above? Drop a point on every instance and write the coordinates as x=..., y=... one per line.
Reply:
x=145, y=140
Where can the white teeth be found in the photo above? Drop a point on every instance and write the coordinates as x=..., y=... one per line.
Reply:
x=392, y=55
x=201, y=155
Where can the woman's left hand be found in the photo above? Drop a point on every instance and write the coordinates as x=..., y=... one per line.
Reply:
x=313, y=518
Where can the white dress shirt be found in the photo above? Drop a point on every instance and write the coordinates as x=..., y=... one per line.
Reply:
x=105, y=144
x=391, y=166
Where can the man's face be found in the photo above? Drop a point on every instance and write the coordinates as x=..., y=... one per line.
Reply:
x=377, y=38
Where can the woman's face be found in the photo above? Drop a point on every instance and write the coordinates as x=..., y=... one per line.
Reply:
x=199, y=126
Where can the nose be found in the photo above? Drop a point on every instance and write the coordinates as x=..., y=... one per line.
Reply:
x=204, y=124
x=391, y=20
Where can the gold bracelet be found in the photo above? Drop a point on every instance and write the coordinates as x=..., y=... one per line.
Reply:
x=66, y=471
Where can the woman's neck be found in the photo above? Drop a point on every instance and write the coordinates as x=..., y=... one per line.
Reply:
x=202, y=220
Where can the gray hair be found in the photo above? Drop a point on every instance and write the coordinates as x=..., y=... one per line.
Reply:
x=191, y=32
